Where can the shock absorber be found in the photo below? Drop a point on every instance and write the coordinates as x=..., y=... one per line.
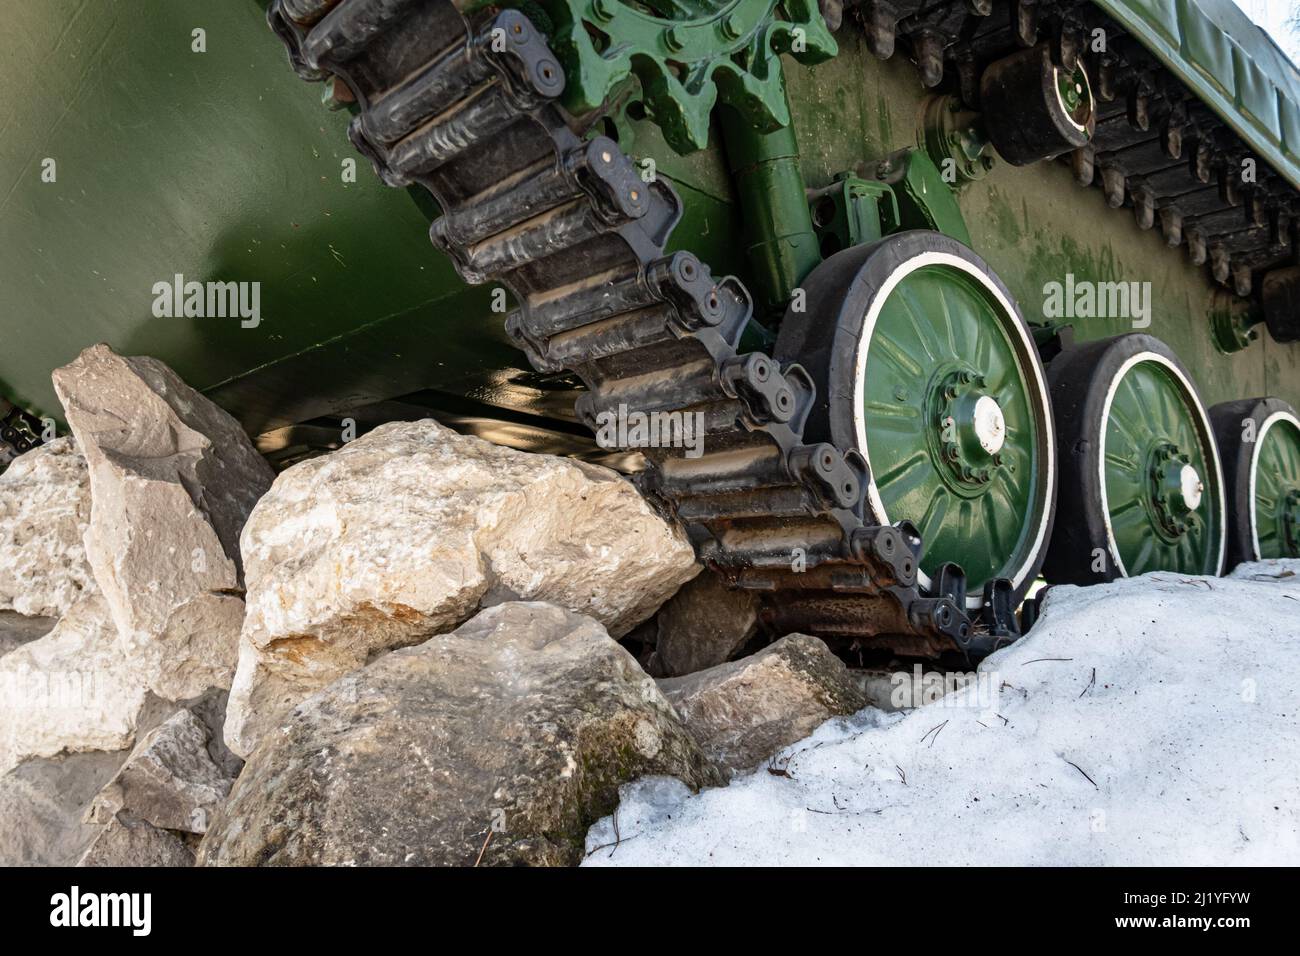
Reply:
x=779, y=239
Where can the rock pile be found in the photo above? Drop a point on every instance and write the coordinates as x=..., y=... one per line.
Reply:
x=407, y=532
x=414, y=642
x=128, y=533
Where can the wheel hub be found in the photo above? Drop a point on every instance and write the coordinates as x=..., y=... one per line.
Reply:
x=1176, y=489
x=990, y=425
x=971, y=429
x=1075, y=95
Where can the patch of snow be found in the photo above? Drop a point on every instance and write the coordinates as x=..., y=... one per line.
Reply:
x=1153, y=721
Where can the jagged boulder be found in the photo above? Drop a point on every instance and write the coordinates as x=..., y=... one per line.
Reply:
x=44, y=512
x=160, y=799
x=408, y=531
x=151, y=613
x=72, y=690
x=169, y=781
x=42, y=803
x=172, y=480
x=53, y=808
x=704, y=624
x=744, y=711
x=499, y=743
x=125, y=841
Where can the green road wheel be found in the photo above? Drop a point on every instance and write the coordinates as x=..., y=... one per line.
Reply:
x=1142, y=488
x=924, y=364
x=1259, y=440
x=1275, y=494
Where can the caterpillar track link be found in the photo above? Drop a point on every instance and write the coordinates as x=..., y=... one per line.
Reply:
x=19, y=432
x=465, y=106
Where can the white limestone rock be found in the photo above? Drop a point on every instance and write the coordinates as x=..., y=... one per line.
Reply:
x=408, y=531
x=44, y=512
x=71, y=690
x=172, y=480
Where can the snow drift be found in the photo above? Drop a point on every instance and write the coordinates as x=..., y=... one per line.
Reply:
x=1150, y=721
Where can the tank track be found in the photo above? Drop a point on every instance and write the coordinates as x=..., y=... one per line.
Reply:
x=19, y=432
x=464, y=105
x=1158, y=150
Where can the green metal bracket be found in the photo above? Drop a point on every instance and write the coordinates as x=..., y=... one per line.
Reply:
x=925, y=201
x=688, y=55
x=789, y=230
x=852, y=211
